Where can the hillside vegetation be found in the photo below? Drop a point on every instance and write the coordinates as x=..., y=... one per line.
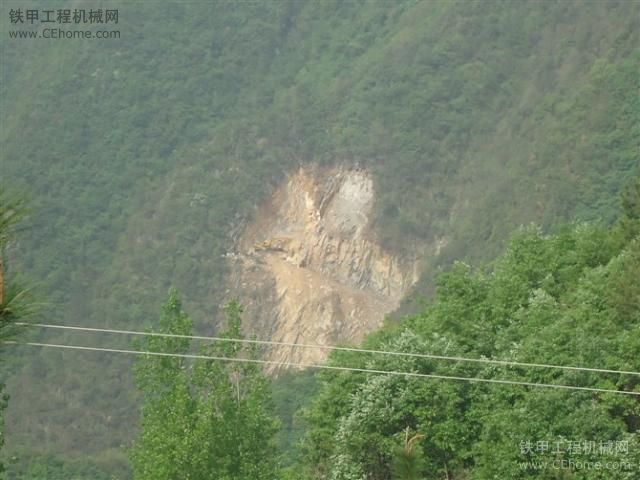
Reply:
x=569, y=299
x=143, y=157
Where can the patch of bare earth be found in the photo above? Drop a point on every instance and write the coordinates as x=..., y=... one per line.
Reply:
x=308, y=270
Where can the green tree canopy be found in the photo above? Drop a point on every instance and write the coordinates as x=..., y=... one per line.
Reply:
x=203, y=419
x=570, y=299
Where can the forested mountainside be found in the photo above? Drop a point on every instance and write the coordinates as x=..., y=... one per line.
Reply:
x=571, y=299
x=146, y=157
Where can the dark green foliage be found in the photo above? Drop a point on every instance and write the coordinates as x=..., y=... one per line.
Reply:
x=407, y=462
x=291, y=390
x=565, y=299
x=630, y=222
x=12, y=210
x=16, y=301
x=53, y=468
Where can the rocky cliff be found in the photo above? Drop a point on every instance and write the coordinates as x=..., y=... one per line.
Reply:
x=308, y=269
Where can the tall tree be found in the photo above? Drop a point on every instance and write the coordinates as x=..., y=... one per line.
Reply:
x=630, y=221
x=206, y=419
x=407, y=461
x=14, y=299
x=11, y=211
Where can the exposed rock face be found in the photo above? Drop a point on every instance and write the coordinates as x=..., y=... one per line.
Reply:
x=308, y=269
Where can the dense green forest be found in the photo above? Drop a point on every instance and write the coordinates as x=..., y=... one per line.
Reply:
x=142, y=156
x=571, y=299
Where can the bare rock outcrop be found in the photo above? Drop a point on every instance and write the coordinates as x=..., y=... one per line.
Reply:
x=309, y=270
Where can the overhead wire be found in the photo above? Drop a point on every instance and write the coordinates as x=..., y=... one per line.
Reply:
x=336, y=348
x=330, y=367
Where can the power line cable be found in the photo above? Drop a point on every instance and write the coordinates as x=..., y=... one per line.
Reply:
x=330, y=367
x=333, y=347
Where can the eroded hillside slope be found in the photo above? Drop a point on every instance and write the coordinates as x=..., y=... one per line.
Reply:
x=308, y=268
